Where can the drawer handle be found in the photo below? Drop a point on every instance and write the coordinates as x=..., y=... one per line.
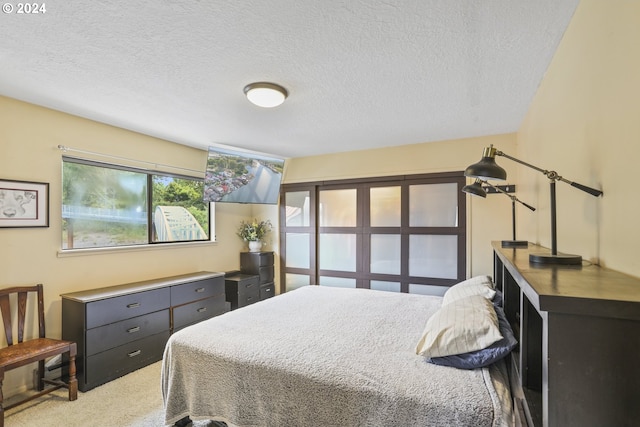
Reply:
x=135, y=353
x=133, y=305
x=134, y=329
x=250, y=285
x=202, y=309
x=200, y=290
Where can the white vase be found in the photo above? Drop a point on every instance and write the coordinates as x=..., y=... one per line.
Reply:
x=255, y=246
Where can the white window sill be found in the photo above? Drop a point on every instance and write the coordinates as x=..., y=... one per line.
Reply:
x=63, y=253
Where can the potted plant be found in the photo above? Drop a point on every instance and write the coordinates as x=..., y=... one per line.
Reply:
x=253, y=232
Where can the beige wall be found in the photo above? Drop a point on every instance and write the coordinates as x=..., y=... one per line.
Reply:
x=487, y=219
x=29, y=136
x=585, y=123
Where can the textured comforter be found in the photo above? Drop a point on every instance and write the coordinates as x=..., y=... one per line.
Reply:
x=321, y=356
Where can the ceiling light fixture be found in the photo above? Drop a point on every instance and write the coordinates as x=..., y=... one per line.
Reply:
x=265, y=94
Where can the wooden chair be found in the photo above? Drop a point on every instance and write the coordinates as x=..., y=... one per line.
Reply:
x=32, y=350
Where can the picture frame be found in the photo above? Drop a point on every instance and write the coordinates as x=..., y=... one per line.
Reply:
x=24, y=204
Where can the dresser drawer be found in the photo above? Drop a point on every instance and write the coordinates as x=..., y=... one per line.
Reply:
x=266, y=274
x=249, y=260
x=249, y=297
x=242, y=289
x=111, y=310
x=260, y=263
x=108, y=365
x=267, y=290
x=243, y=284
x=200, y=289
x=198, y=311
x=116, y=334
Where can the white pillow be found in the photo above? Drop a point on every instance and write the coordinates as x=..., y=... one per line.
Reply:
x=479, y=285
x=468, y=324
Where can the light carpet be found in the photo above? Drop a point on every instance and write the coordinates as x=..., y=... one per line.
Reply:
x=132, y=400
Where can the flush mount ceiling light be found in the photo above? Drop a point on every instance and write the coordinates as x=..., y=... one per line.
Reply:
x=265, y=94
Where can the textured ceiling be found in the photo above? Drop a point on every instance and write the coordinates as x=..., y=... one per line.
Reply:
x=360, y=74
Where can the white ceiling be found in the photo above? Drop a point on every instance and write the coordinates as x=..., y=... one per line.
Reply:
x=360, y=73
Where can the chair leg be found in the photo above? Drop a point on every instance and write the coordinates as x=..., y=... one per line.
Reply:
x=40, y=383
x=1, y=398
x=73, y=382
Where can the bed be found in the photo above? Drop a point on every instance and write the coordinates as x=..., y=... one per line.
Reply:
x=321, y=356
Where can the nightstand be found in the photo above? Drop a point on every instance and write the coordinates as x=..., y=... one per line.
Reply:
x=242, y=290
x=261, y=264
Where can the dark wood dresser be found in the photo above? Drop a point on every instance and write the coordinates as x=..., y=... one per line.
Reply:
x=260, y=264
x=119, y=329
x=578, y=327
x=242, y=289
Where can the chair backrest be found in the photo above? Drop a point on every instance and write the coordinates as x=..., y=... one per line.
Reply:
x=7, y=318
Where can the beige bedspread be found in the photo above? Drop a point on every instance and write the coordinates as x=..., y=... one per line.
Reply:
x=321, y=356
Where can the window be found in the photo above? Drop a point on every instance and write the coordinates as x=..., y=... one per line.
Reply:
x=109, y=206
x=398, y=234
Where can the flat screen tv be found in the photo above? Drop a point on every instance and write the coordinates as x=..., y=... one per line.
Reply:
x=242, y=177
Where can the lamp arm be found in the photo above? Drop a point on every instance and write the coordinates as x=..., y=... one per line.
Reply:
x=503, y=154
x=553, y=175
x=592, y=191
x=512, y=197
x=523, y=203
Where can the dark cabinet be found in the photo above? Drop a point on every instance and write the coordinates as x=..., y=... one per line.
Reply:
x=242, y=290
x=262, y=265
x=578, y=329
x=267, y=290
x=119, y=329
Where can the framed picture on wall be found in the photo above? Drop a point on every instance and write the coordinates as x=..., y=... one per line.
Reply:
x=24, y=204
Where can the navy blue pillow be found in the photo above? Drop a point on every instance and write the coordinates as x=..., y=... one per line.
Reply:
x=497, y=298
x=484, y=357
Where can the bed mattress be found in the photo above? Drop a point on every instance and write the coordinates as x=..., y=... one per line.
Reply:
x=321, y=356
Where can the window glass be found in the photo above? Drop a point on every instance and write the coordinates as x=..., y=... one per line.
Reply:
x=337, y=282
x=385, y=253
x=338, y=208
x=295, y=281
x=103, y=207
x=337, y=252
x=433, y=256
x=297, y=208
x=385, y=206
x=298, y=247
x=433, y=205
x=427, y=289
x=380, y=285
x=179, y=211
x=108, y=206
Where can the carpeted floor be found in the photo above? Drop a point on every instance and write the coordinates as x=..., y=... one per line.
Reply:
x=133, y=400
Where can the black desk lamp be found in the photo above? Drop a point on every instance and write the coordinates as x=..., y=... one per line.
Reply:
x=476, y=189
x=487, y=168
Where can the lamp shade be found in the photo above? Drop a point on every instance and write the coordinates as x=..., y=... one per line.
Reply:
x=486, y=168
x=265, y=94
x=475, y=189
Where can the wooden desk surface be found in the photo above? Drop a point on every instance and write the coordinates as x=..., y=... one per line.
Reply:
x=587, y=289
